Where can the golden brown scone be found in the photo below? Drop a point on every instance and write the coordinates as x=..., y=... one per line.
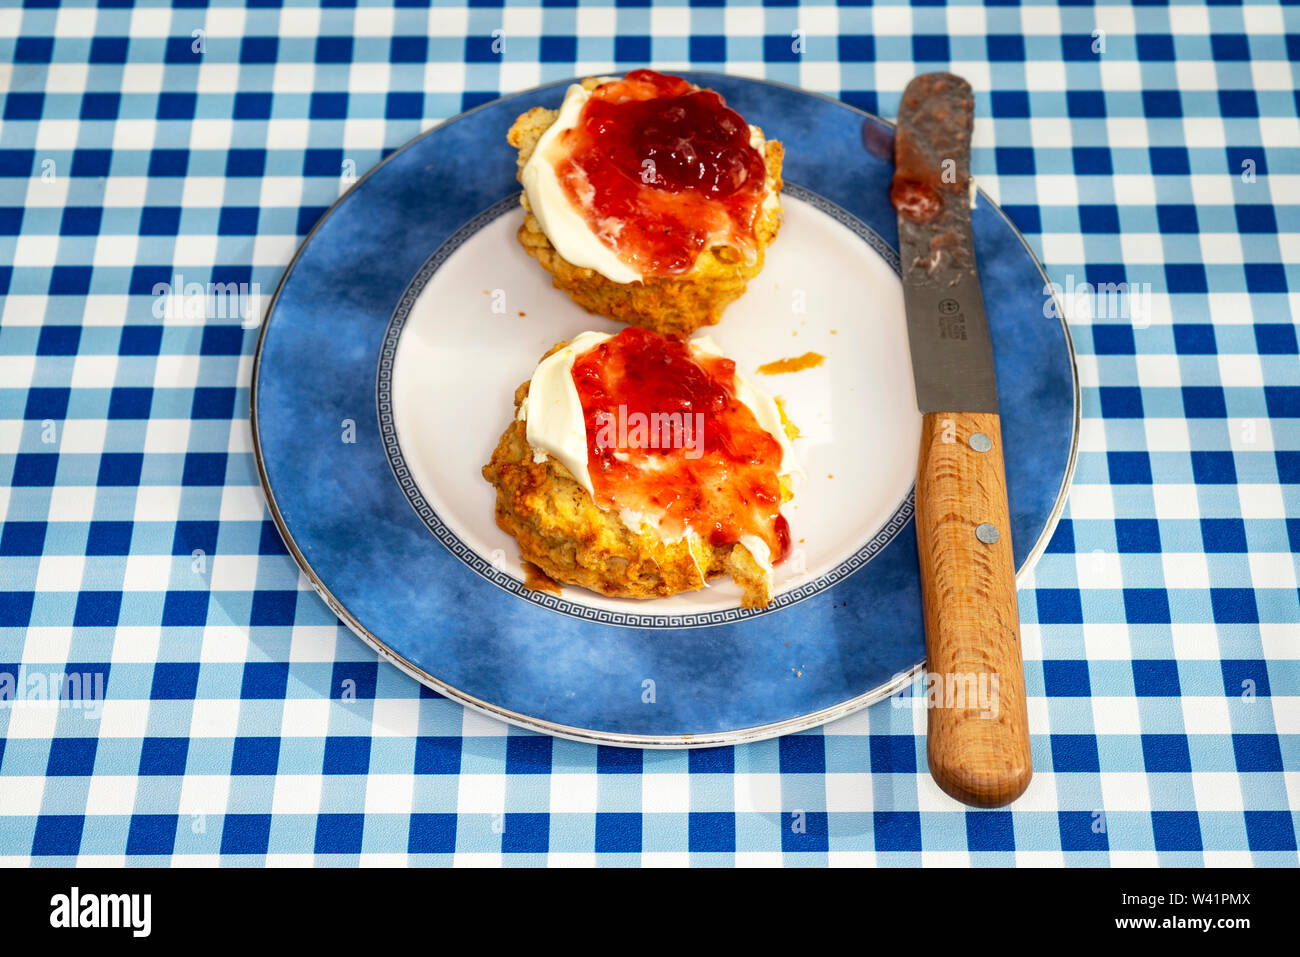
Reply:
x=669, y=304
x=562, y=531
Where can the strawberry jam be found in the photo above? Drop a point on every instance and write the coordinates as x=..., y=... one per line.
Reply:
x=667, y=437
x=660, y=169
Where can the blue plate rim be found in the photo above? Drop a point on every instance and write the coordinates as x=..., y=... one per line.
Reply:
x=586, y=735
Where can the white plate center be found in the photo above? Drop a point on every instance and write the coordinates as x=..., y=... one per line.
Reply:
x=489, y=313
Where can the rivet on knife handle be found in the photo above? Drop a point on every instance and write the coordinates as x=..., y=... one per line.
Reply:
x=978, y=727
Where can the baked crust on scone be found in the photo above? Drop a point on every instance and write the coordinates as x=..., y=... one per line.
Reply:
x=562, y=531
x=668, y=304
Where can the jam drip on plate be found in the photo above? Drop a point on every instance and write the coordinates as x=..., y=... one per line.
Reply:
x=661, y=169
x=668, y=439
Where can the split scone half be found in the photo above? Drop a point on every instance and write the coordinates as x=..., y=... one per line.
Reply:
x=647, y=199
x=642, y=465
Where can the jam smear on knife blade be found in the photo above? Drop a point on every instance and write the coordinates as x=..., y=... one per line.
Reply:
x=931, y=183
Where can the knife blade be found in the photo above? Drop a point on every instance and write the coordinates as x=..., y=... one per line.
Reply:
x=977, y=740
x=952, y=356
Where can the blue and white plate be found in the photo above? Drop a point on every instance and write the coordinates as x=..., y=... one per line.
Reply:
x=386, y=373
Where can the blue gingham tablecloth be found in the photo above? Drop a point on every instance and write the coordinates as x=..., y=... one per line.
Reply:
x=214, y=711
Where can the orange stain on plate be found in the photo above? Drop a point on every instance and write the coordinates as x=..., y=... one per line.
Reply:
x=809, y=360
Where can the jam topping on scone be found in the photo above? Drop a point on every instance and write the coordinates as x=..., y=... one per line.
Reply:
x=660, y=170
x=670, y=438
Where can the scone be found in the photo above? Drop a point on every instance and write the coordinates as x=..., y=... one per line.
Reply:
x=647, y=199
x=641, y=465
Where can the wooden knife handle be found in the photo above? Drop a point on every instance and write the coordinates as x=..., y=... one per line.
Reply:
x=978, y=737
